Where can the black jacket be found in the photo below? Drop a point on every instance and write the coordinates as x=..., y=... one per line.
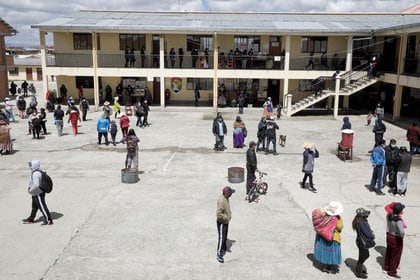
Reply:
x=216, y=127
x=271, y=129
x=251, y=159
x=404, y=162
x=391, y=155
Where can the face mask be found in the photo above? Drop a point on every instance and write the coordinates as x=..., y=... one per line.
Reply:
x=393, y=146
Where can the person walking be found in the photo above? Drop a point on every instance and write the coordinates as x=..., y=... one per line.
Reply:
x=196, y=95
x=74, y=117
x=251, y=166
x=309, y=155
x=241, y=103
x=268, y=107
x=58, y=119
x=84, y=107
x=271, y=127
x=394, y=238
x=113, y=130
x=42, y=116
x=379, y=111
x=379, y=129
x=223, y=217
x=8, y=106
x=132, y=158
x=239, y=133
x=403, y=166
x=63, y=94
x=116, y=108
x=124, y=124
x=38, y=196
x=363, y=232
x=102, y=126
x=21, y=105
x=327, y=249
x=413, y=137
x=146, y=110
x=378, y=162
x=261, y=134
x=219, y=131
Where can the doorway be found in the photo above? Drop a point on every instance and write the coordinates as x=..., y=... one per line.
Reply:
x=273, y=91
x=155, y=50
x=29, y=74
x=156, y=91
x=274, y=49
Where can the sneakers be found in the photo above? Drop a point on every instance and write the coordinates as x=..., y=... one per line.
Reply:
x=220, y=259
x=302, y=185
x=49, y=223
x=312, y=189
x=380, y=193
x=28, y=220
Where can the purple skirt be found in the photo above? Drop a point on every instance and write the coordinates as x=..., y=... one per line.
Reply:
x=238, y=139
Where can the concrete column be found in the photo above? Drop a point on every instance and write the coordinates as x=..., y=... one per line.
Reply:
x=349, y=55
x=162, y=67
x=398, y=88
x=43, y=64
x=289, y=98
x=336, y=97
x=330, y=102
x=95, y=66
x=216, y=69
x=285, y=91
x=287, y=54
x=346, y=99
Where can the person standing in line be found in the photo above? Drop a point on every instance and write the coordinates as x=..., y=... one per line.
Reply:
x=403, y=166
x=309, y=155
x=84, y=107
x=378, y=162
x=361, y=226
x=24, y=87
x=102, y=126
x=74, y=117
x=58, y=119
x=8, y=106
x=394, y=238
x=113, y=129
x=196, y=95
x=413, y=137
x=124, y=124
x=261, y=134
x=38, y=196
x=219, y=131
x=239, y=133
x=223, y=217
x=379, y=129
x=251, y=166
x=21, y=105
x=328, y=252
x=271, y=127
x=391, y=156
x=132, y=158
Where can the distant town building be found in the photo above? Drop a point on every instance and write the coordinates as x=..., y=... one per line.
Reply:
x=5, y=30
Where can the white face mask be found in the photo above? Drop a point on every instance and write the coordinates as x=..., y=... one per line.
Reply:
x=393, y=146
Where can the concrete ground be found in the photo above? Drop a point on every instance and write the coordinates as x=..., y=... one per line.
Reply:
x=164, y=226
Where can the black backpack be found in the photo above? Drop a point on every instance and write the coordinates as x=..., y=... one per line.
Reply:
x=46, y=182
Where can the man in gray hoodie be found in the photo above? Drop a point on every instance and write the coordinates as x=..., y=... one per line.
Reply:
x=38, y=196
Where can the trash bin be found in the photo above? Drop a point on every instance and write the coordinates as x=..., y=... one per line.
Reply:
x=235, y=175
x=129, y=176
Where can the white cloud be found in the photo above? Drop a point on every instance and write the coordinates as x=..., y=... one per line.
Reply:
x=23, y=13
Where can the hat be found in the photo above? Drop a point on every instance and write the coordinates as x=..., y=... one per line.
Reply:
x=252, y=143
x=7, y=98
x=334, y=208
x=308, y=145
x=106, y=103
x=228, y=190
x=271, y=117
x=398, y=208
x=362, y=212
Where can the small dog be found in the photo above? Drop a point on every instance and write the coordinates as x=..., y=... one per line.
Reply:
x=282, y=140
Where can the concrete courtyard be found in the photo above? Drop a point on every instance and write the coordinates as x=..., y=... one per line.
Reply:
x=164, y=226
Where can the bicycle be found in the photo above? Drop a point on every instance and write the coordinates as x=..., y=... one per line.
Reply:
x=259, y=187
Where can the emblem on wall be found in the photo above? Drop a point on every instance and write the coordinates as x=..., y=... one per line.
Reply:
x=176, y=85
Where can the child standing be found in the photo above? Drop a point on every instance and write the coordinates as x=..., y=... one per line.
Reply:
x=113, y=129
x=369, y=118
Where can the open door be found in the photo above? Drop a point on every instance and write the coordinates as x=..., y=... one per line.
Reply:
x=156, y=91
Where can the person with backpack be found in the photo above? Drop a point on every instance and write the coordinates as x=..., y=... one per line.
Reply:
x=132, y=159
x=38, y=195
x=113, y=129
x=84, y=107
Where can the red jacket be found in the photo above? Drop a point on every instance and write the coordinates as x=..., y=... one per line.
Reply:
x=124, y=122
x=74, y=116
x=413, y=134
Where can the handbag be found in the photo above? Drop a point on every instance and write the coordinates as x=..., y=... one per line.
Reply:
x=365, y=242
x=324, y=225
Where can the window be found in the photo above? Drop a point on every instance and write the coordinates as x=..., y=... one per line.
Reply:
x=136, y=41
x=201, y=42
x=203, y=84
x=85, y=81
x=315, y=44
x=247, y=43
x=83, y=41
x=14, y=71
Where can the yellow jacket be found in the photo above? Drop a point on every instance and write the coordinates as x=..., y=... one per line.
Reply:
x=337, y=230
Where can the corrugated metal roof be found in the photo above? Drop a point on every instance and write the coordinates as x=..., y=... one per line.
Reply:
x=228, y=22
x=34, y=60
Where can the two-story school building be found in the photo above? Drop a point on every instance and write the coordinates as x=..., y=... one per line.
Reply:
x=294, y=58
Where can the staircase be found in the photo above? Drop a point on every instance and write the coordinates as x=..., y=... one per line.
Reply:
x=350, y=83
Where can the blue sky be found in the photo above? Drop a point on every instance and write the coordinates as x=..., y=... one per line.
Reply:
x=21, y=14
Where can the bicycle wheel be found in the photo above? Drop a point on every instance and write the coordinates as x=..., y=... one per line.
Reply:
x=252, y=194
x=262, y=188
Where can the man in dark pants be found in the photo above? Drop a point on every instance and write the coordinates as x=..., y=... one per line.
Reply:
x=84, y=107
x=271, y=127
x=219, y=131
x=146, y=110
x=251, y=166
x=223, y=215
x=38, y=196
x=391, y=156
x=196, y=95
x=378, y=162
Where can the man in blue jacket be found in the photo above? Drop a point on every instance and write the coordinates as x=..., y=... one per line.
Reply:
x=378, y=162
x=102, y=127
